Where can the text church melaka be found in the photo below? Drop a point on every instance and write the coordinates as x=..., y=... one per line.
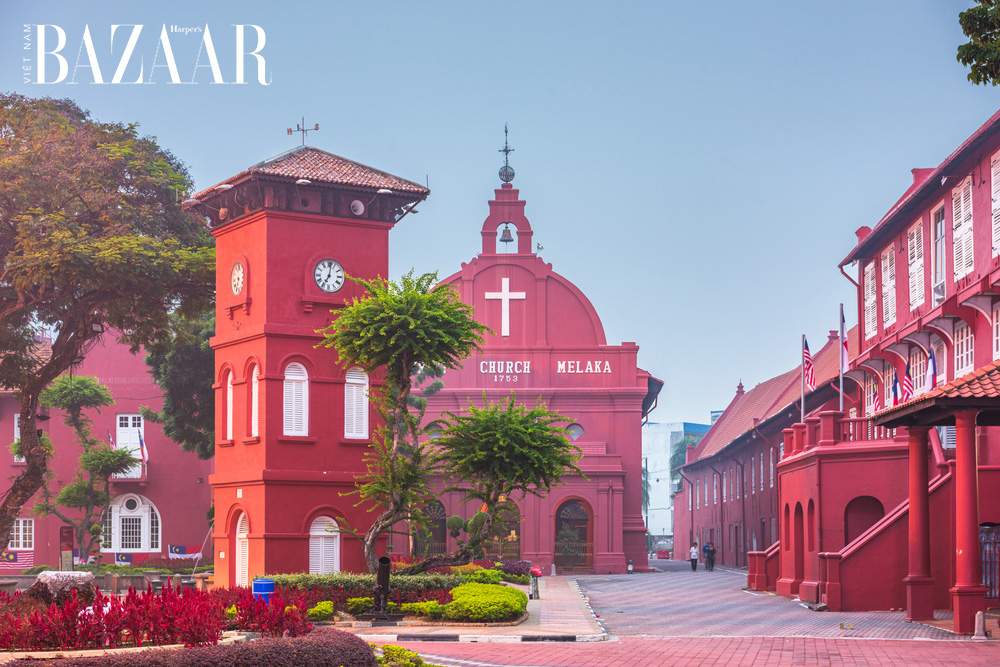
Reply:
x=293, y=423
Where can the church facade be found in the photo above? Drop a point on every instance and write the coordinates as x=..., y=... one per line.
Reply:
x=548, y=344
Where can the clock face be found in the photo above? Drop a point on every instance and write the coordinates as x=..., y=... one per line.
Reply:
x=329, y=275
x=236, y=278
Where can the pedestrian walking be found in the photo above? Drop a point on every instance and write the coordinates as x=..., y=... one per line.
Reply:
x=710, y=556
x=694, y=556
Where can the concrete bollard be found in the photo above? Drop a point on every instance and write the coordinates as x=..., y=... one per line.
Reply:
x=980, y=626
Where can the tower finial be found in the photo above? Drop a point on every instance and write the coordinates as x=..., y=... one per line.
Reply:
x=506, y=171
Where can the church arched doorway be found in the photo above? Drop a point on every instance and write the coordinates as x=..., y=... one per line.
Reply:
x=574, y=538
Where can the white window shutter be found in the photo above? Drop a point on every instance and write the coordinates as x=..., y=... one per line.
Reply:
x=315, y=555
x=871, y=312
x=296, y=400
x=958, y=225
x=331, y=554
x=242, y=551
x=995, y=195
x=356, y=404
x=145, y=528
x=255, y=403
x=915, y=257
x=229, y=406
x=888, y=286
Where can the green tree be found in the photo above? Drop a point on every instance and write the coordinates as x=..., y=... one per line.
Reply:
x=88, y=496
x=402, y=327
x=182, y=368
x=678, y=456
x=494, y=452
x=91, y=238
x=981, y=24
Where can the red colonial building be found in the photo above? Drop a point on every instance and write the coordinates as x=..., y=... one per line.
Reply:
x=292, y=422
x=159, y=506
x=548, y=343
x=901, y=510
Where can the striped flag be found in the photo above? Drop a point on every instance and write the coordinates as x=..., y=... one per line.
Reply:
x=876, y=400
x=16, y=560
x=907, y=384
x=931, y=381
x=807, y=366
x=184, y=550
x=111, y=441
x=895, y=389
x=844, y=361
x=142, y=448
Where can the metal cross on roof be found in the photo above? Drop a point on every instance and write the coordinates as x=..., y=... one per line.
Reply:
x=506, y=171
x=303, y=129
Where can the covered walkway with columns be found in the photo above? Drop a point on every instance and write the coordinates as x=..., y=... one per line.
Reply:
x=970, y=403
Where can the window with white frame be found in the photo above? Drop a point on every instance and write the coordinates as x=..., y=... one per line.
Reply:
x=690, y=494
x=17, y=436
x=961, y=206
x=760, y=461
x=871, y=389
x=915, y=263
x=888, y=381
x=888, y=264
x=940, y=246
x=128, y=437
x=697, y=494
x=296, y=400
x=732, y=496
x=871, y=302
x=918, y=370
x=229, y=406
x=724, y=477
x=255, y=402
x=996, y=331
x=22, y=535
x=324, y=546
x=706, y=490
x=752, y=468
x=963, y=349
x=995, y=196
x=772, y=468
x=715, y=489
x=132, y=524
x=356, y=404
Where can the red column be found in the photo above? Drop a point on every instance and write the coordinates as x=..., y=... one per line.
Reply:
x=968, y=595
x=919, y=583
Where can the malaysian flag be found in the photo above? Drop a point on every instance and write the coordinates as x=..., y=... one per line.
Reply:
x=184, y=550
x=807, y=366
x=876, y=400
x=125, y=559
x=16, y=560
x=931, y=381
x=895, y=389
x=907, y=384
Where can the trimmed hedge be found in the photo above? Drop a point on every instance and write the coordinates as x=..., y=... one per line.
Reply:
x=485, y=603
x=329, y=648
x=484, y=577
x=340, y=587
x=431, y=609
x=321, y=612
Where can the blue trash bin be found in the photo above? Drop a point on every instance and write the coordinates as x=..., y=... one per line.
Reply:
x=262, y=588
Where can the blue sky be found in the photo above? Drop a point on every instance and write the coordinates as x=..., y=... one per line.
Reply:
x=697, y=169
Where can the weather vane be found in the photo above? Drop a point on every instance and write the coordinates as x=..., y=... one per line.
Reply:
x=506, y=171
x=303, y=129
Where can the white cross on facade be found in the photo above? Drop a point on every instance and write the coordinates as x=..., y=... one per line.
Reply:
x=505, y=296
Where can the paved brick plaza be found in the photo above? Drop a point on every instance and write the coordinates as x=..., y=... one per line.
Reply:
x=682, y=618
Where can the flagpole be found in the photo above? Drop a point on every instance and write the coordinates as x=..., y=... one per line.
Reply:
x=802, y=353
x=840, y=360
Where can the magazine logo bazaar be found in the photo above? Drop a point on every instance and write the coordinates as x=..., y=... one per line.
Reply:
x=136, y=54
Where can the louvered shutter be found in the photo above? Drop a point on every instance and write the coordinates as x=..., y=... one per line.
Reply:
x=145, y=531
x=870, y=302
x=296, y=400
x=356, y=404
x=255, y=403
x=242, y=551
x=915, y=260
x=331, y=554
x=958, y=221
x=995, y=195
x=967, y=231
x=229, y=406
x=888, y=286
x=315, y=554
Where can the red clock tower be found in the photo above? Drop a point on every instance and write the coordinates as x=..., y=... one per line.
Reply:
x=292, y=421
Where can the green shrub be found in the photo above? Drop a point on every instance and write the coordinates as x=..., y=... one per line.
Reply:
x=484, y=577
x=358, y=606
x=361, y=585
x=231, y=612
x=36, y=569
x=432, y=609
x=522, y=579
x=485, y=603
x=397, y=656
x=321, y=612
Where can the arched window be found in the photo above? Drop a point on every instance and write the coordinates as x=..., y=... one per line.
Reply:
x=575, y=432
x=324, y=546
x=296, y=400
x=255, y=402
x=356, y=404
x=242, y=551
x=132, y=524
x=229, y=406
